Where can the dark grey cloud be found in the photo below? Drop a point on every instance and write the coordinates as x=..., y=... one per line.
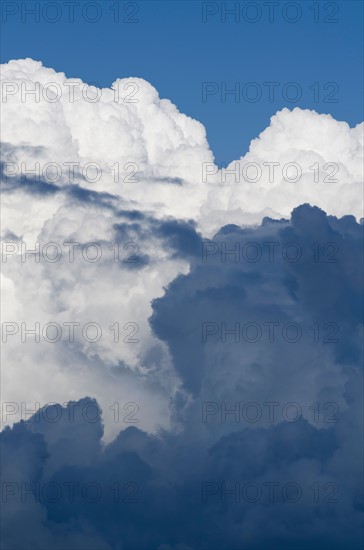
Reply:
x=216, y=482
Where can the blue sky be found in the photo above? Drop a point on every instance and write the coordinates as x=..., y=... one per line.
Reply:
x=171, y=47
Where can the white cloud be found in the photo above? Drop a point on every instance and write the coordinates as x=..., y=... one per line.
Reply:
x=167, y=152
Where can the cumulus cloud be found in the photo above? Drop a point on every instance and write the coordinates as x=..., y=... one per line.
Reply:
x=157, y=159
x=263, y=432
x=212, y=318
x=301, y=157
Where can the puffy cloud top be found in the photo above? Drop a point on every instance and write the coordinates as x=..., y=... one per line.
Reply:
x=127, y=129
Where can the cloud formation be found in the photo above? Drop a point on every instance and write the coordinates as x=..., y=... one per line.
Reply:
x=154, y=157
x=197, y=330
x=263, y=431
